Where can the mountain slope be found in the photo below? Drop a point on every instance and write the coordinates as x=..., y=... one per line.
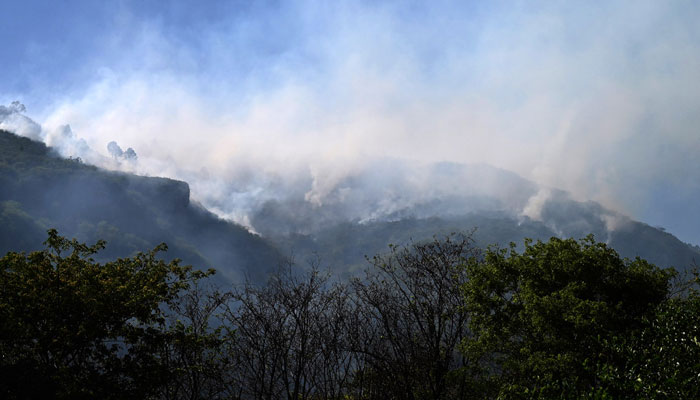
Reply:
x=39, y=190
x=345, y=245
x=364, y=213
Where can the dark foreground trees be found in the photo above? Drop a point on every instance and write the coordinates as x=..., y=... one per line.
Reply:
x=289, y=337
x=409, y=321
x=75, y=328
x=432, y=320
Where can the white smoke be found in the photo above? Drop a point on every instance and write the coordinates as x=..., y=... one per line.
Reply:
x=293, y=101
x=533, y=208
x=12, y=119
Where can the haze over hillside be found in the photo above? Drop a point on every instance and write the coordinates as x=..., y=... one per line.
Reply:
x=296, y=119
x=40, y=190
x=264, y=102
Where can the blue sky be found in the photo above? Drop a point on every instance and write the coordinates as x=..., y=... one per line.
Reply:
x=597, y=98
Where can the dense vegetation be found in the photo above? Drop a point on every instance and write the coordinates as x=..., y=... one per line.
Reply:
x=433, y=320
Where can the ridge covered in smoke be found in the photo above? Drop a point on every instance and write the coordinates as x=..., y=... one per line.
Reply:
x=246, y=135
x=360, y=214
x=40, y=190
x=379, y=189
x=288, y=102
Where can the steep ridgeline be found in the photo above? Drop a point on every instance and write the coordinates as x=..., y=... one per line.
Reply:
x=40, y=190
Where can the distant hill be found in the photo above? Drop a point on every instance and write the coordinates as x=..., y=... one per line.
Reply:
x=344, y=246
x=361, y=216
x=40, y=190
x=366, y=212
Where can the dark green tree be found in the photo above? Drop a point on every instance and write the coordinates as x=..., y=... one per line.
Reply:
x=74, y=328
x=661, y=361
x=541, y=318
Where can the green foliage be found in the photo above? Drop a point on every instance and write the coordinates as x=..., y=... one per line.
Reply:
x=665, y=360
x=18, y=226
x=662, y=361
x=75, y=328
x=346, y=244
x=541, y=318
x=434, y=320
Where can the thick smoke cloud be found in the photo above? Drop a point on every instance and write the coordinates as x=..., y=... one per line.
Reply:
x=268, y=104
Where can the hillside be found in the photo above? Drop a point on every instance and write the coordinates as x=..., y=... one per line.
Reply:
x=348, y=243
x=494, y=203
x=40, y=190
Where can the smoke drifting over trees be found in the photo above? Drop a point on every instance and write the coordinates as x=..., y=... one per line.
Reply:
x=303, y=200
x=568, y=96
x=598, y=101
x=41, y=190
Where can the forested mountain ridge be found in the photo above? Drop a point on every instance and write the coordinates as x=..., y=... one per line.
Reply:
x=40, y=190
x=391, y=201
x=348, y=243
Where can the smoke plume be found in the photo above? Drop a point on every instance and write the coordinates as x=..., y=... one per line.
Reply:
x=360, y=104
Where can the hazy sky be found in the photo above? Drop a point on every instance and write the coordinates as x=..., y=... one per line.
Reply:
x=598, y=98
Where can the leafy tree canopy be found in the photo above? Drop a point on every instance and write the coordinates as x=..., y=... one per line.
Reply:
x=432, y=320
x=72, y=327
x=540, y=317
